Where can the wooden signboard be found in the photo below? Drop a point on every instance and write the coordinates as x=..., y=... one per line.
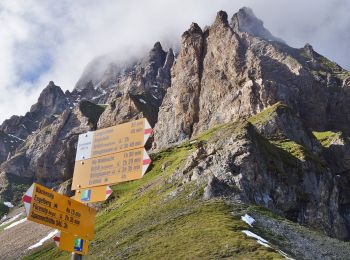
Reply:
x=93, y=194
x=110, y=169
x=52, y=209
x=68, y=242
x=113, y=139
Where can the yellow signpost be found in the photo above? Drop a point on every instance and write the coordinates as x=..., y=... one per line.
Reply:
x=113, y=139
x=68, y=242
x=93, y=194
x=109, y=169
x=52, y=209
x=106, y=156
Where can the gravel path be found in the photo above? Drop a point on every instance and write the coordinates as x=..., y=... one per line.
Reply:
x=14, y=242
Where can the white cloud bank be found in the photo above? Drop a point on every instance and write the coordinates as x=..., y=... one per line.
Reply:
x=43, y=40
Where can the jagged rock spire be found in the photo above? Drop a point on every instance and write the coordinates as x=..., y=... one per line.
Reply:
x=246, y=21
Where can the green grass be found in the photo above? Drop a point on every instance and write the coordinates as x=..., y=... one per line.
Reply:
x=267, y=114
x=145, y=220
x=334, y=68
x=15, y=188
x=327, y=138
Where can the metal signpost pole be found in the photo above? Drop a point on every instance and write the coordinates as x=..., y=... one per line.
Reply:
x=76, y=256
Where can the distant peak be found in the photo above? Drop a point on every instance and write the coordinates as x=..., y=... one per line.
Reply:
x=309, y=47
x=221, y=17
x=246, y=21
x=195, y=28
x=309, y=50
x=157, y=46
x=51, y=86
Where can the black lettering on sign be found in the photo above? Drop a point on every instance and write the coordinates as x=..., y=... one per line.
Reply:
x=42, y=201
x=43, y=192
x=97, y=181
x=42, y=218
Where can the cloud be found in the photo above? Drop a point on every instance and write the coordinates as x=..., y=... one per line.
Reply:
x=43, y=40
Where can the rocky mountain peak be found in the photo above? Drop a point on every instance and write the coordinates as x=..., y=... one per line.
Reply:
x=49, y=97
x=155, y=60
x=221, y=18
x=157, y=47
x=246, y=21
x=194, y=29
x=309, y=50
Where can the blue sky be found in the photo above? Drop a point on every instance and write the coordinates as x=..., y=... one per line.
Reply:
x=43, y=40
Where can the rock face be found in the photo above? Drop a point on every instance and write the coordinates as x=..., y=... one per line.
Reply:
x=139, y=91
x=8, y=144
x=52, y=101
x=226, y=73
x=246, y=21
x=274, y=161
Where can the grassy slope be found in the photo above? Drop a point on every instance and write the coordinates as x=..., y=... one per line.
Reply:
x=153, y=218
x=327, y=138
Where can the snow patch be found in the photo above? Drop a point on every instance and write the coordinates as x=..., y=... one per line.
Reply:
x=10, y=220
x=15, y=223
x=284, y=254
x=41, y=242
x=251, y=234
x=154, y=97
x=264, y=242
x=104, y=92
x=8, y=204
x=248, y=219
x=142, y=101
x=16, y=137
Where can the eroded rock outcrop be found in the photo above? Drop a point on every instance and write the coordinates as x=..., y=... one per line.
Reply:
x=139, y=92
x=233, y=71
x=281, y=168
x=51, y=102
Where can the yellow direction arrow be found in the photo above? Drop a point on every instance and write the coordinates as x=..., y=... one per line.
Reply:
x=113, y=139
x=109, y=169
x=52, y=209
x=68, y=242
x=93, y=194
